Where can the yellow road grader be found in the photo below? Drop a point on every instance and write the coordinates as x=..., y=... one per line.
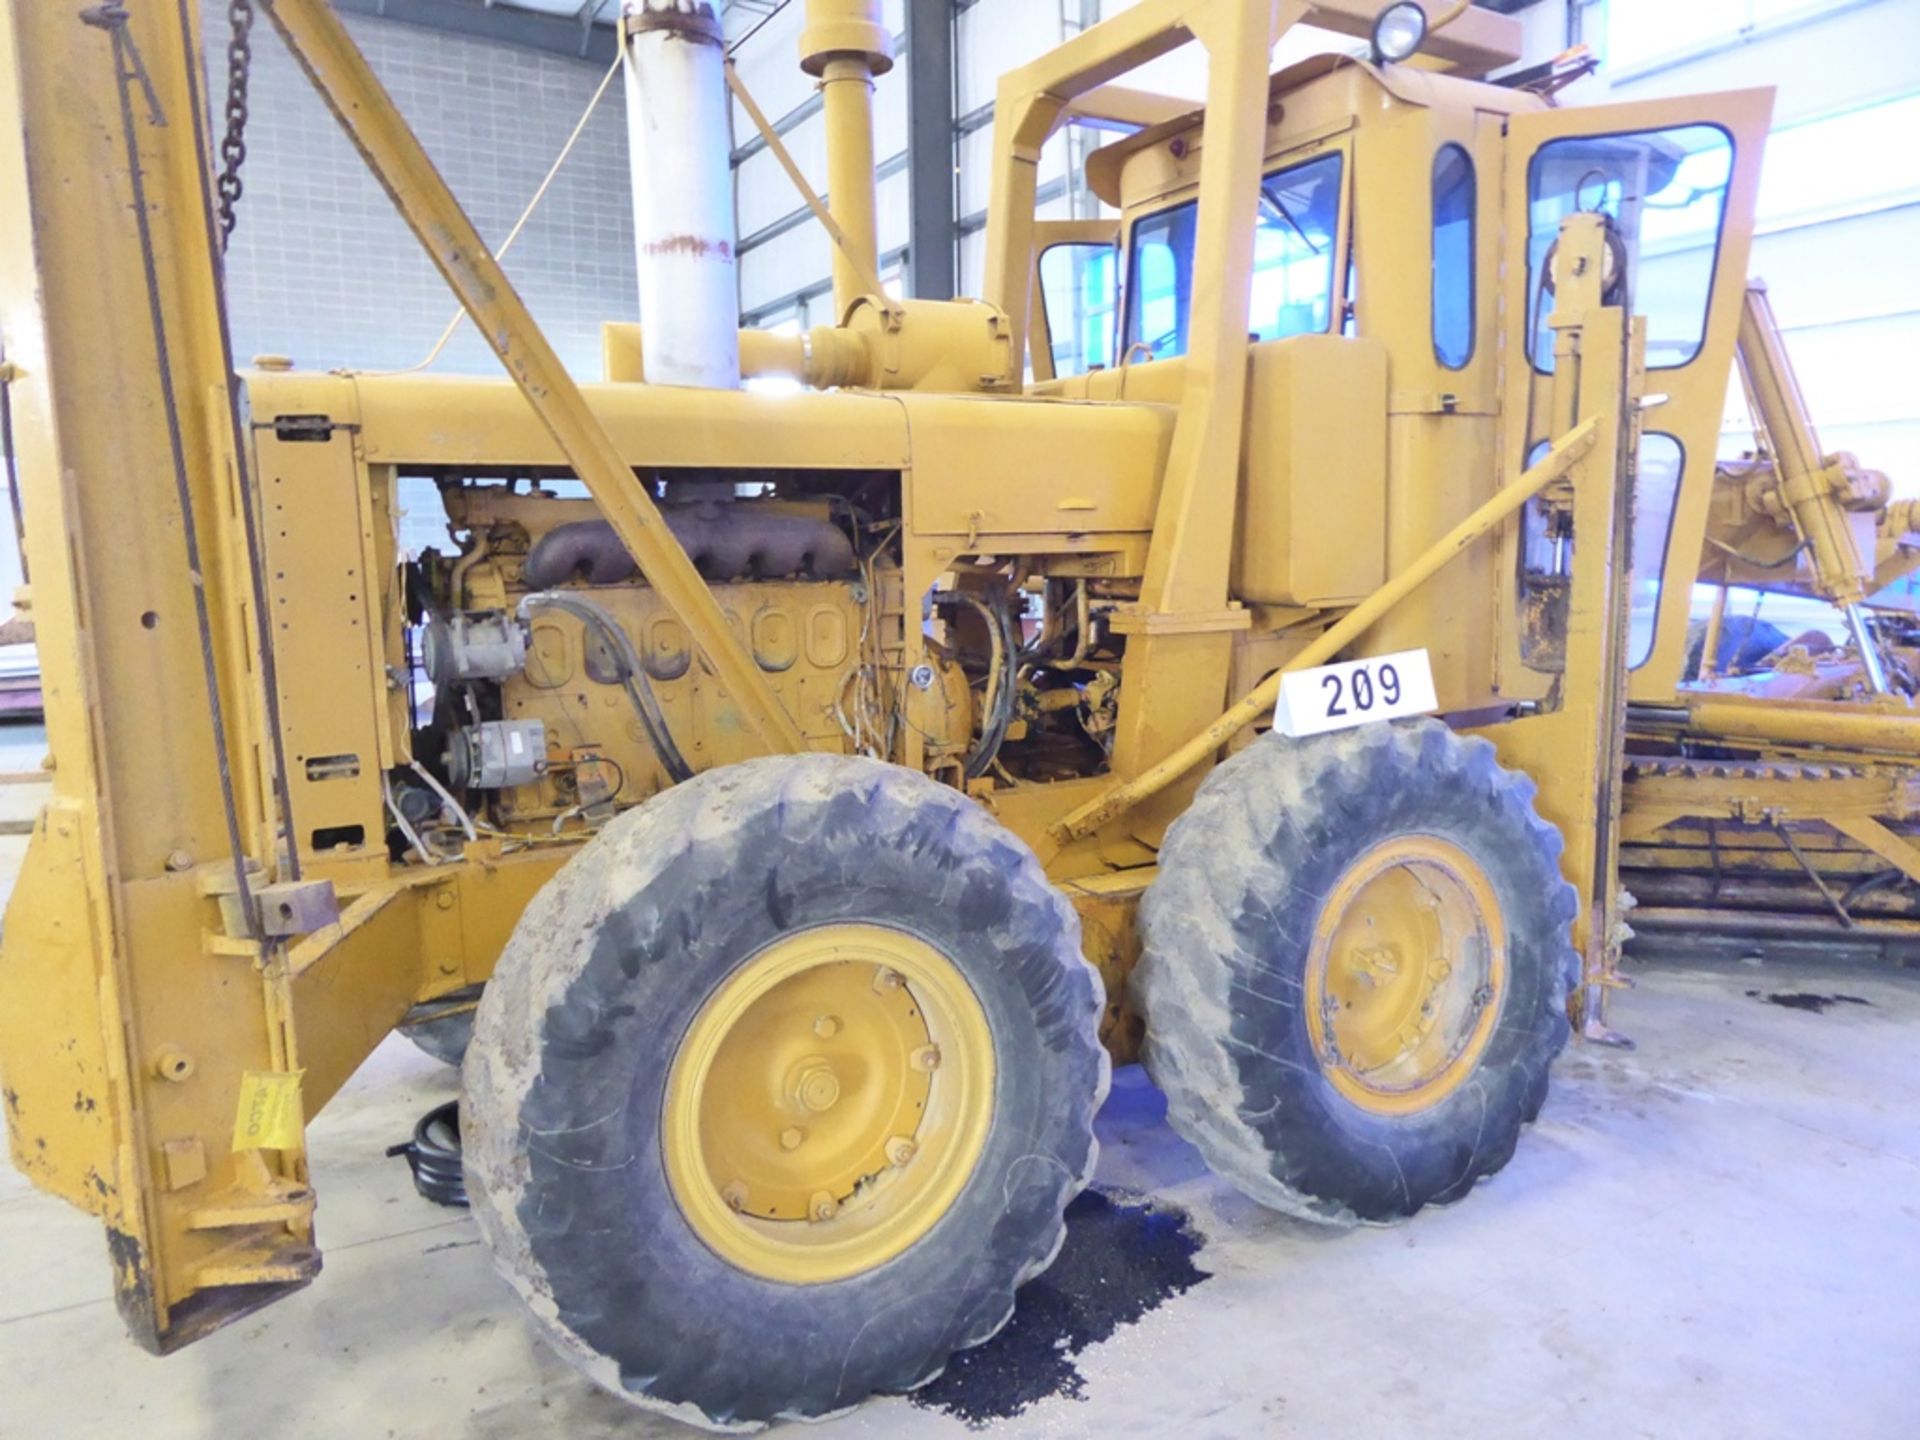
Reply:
x=824, y=786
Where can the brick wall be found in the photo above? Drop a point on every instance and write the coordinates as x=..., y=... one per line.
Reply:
x=322, y=268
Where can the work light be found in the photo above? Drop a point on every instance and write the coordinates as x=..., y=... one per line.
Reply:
x=1398, y=31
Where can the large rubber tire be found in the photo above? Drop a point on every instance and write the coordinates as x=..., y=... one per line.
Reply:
x=1226, y=931
x=445, y=1039
x=577, y=1034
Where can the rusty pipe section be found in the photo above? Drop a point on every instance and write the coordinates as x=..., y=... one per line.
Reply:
x=678, y=129
x=724, y=543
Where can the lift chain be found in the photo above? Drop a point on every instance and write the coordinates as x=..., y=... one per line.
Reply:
x=233, y=144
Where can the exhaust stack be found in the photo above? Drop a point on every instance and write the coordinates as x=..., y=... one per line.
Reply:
x=845, y=45
x=678, y=130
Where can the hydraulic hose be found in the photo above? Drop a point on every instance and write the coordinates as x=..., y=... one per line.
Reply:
x=633, y=675
x=1001, y=686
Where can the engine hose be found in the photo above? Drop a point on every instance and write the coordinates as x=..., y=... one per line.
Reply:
x=446, y=797
x=993, y=729
x=413, y=836
x=633, y=675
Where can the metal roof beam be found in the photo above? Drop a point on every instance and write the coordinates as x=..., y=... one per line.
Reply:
x=530, y=29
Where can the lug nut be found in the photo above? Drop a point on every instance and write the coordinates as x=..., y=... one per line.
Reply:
x=791, y=1137
x=822, y=1206
x=926, y=1059
x=900, y=1150
x=885, y=980
x=826, y=1027
x=735, y=1194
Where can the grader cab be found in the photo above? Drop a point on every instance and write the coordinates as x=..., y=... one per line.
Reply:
x=815, y=789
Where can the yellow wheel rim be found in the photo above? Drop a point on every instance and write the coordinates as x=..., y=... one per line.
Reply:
x=1406, y=976
x=828, y=1103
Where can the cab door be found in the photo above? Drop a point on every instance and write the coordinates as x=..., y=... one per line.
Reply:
x=1678, y=179
x=1594, y=600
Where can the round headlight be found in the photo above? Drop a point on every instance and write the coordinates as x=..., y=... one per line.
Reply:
x=1398, y=31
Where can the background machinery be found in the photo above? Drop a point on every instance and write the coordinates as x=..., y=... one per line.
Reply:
x=815, y=782
x=1773, y=796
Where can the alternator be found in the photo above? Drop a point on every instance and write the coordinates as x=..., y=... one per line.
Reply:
x=497, y=754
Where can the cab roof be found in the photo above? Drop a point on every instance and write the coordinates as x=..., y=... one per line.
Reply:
x=1408, y=84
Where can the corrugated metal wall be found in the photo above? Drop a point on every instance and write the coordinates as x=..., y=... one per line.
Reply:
x=324, y=270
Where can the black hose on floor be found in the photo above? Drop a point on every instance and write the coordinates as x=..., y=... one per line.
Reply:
x=433, y=1155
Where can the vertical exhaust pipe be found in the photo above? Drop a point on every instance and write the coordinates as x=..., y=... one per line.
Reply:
x=845, y=45
x=679, y=145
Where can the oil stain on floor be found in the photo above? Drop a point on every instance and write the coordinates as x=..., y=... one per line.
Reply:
x=1804, y=1000
x=1122, y=1258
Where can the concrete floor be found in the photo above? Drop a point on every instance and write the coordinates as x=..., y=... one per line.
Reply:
x=1715, y=1235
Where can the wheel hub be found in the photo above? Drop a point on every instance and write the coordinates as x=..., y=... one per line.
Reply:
x=814, y=1086
x=1407, y=967
x=811, y=1130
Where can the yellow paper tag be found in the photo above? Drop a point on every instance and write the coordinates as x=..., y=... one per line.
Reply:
x=268, y=1117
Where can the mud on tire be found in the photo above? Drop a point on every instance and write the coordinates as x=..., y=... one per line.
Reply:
x=1226, y=932
x=576, y=1037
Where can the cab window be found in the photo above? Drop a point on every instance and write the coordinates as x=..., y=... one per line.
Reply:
x=1666, y=192
x=1293, y=262
x=1660, y=463
x=1079, y=285
x=1656, y=492
x=1453, y=290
